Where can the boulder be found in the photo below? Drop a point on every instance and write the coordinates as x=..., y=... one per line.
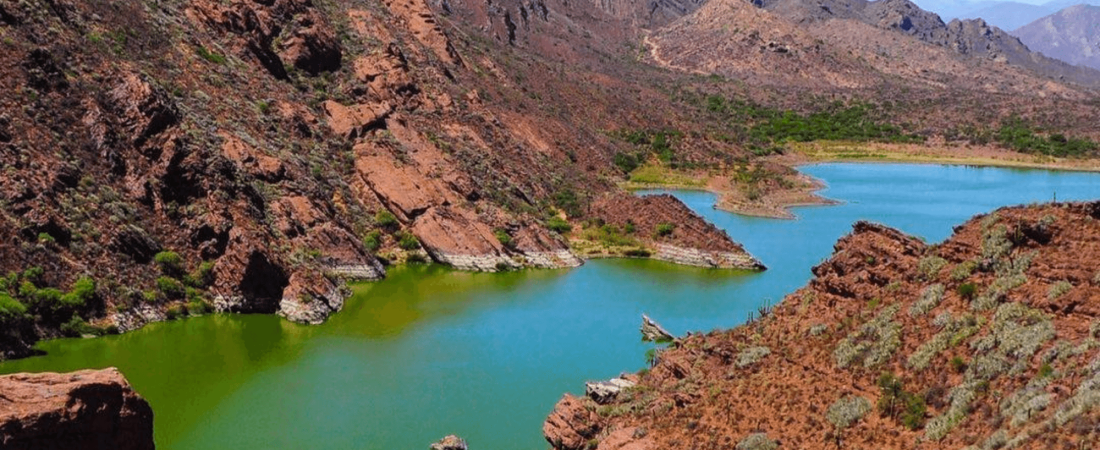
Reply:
x=451, y=442
x=85, y=410
x=603, y=392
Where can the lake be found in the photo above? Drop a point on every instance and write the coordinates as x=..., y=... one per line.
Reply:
x=430, y=352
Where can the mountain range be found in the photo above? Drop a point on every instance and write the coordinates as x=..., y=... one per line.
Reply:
x=1071, y=35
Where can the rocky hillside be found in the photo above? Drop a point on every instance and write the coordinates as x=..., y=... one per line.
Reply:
x=1070, y=35
x=176, y=157
x=986, y=341
x=85, y=410
x=973, y=38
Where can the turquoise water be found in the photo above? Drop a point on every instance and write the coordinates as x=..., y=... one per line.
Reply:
x=430, y=352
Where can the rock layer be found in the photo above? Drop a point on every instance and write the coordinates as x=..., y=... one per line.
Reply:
x=85, y=410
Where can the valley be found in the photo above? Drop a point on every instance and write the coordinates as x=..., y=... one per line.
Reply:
x=371, y=224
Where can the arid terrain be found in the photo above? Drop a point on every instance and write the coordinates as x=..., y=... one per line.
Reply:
x=983, y=341
x=182, y=157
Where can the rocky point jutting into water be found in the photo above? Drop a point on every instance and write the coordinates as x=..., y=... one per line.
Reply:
x=988, y=340
x=85, y=410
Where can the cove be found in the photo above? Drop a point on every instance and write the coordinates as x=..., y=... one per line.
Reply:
x=429, y=351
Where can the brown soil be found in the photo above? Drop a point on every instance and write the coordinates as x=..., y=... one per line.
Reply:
x=868, y=311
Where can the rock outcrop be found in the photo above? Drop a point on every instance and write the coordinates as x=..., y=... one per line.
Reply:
x=449, y=442
x=985, y=340
x=86, y=410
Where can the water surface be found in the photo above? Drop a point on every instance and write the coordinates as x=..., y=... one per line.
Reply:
x=429, y=352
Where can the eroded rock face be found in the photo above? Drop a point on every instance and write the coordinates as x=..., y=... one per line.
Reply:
x=571, y=425
x=450, y=442
x=85, y=410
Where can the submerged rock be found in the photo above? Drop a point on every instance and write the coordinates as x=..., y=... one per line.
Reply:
x=85, y=410
x=450, y=442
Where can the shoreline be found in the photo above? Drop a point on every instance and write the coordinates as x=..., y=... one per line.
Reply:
x=778, y=204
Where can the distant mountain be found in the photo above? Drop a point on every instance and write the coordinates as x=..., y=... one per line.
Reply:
x=971, y=37
x=1010, y=15
x=1071, y=35
x=1007, y=15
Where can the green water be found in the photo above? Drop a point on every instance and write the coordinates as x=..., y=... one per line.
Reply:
x=429, y=352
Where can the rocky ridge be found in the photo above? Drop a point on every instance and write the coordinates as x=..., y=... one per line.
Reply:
x=986, y=340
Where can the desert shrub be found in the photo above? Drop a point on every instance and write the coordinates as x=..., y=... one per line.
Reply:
x=210, y=56
x=873, y=343
x=1058, y=289
x=1020, y=136
x=895, y=402
x=10, y=309
x=1025, y=403
x=930, y=265
x=757, y=441
x=170, y=287
x=952, y=334
x=373, y=240
x=929, y=299
x=626, y=162
x=963, y=270
x=819, y=329
x=76, y=327
x=504, y=238
x=385, y=220
x=847, y=410
x=407, y=241
x=958, y=365
x=665, y=229
x=568, y=201
x=751, y=355
x=199, y=307
x=960, y=396
x=558, y=225
x=967, y=291
x=171, y=263
x=83, y=291
x=174, y=312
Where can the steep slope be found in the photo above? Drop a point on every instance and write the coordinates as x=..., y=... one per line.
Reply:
x=984, y=341
x=177, y=157
x=974, y=38
x=844, y=51
x=1071, y=35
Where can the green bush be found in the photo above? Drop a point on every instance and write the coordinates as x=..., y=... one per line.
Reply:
x=170, y=287
x=210, y=56
x=568, y=201
x=665, y=229
x=202, y=276
x=10, y=308
x=900, y=404
x=171, y=263
x=504, y=238
x=174, y=312
x=407, y=241
x=199, y=307
x=626, y=162
x=967, y=291
x=373, y=240
x=958, y=364
x=76, y=327
x=46, y=238
x=558, y=225
x=83, y=292
x=1019, y=136
x=385, y=219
